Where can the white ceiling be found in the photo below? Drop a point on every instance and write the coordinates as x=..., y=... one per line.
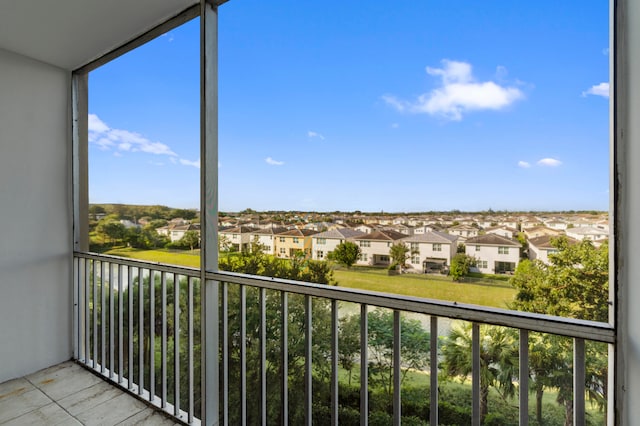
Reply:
x=71, y=33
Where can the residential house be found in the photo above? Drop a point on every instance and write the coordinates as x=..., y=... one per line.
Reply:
x=366, y=228
x=177, y=232
x=374, y=247
x=266, y=237
x=403, y=229
x=325, y=242
x=432, y=251
x=494, y=254
x=505, y=231
x=293, y=241
x=540, y=231
x=463, y=232
x=540, y=247
x=588, y=233
x=237, y=238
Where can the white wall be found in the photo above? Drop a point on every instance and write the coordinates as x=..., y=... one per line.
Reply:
x=35, y=238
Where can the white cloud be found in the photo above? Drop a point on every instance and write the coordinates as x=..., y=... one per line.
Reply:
x=601, y=89
x=273, y=162
x=195, y=163
x=123, y=140
x=394, y=125
x=459, y=93
x=524, y=164
x=312, y=134
x=549, y=162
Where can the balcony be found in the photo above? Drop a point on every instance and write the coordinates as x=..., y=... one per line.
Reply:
x=134, y=336
x=129, y=322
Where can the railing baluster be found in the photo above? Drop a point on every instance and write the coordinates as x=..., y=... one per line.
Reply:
x=176, y=345
x=524, y=378
x=103, y=329
x=433, y=371
x=120, y=326
x=397, y=342
x=75, y=315
x=334, y=362
x=130, y=327
x=285, y=357
x=225, y=353
x=163, y=279
x=475, y=374
x=579, y=377
x=95, y=314
x=243, y=354
x=152, y=335
x=140, y=331
x=308, y=359
x=87, y=311
x=364, y=365
x=263, y=356
x=111, y=321
x=190, y=346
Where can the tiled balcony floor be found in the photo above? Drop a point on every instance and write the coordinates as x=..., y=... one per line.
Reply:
x=67, y=394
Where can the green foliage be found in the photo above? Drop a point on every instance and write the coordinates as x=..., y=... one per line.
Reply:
x=111, y=230
x=191, y=239
x=461, y=248
x=399, y=253
x=460, y=265
x=498, y=359
x=345, y=253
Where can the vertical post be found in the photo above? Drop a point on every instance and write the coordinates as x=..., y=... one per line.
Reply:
x=80, y=193
x=364, y=366
x=524, y=378
x=579, y=375
x=475, y=375
x=209, y=208
x=308, y=360
x=433, y=371
x=334, y=362
x=397, y=342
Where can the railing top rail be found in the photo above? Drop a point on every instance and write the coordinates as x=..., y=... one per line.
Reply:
x=590, y=330
x=145, y=264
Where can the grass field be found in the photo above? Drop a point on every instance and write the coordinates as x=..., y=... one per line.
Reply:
x=480, y=292
x=487, y=292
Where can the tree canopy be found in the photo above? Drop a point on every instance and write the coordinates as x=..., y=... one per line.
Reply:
x=345, y=254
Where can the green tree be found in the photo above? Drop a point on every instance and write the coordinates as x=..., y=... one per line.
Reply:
x=345, y=253
x=460, y=265
x=574, y=284
x=498, y=359
x=191, y=239
x=399, y=252
x=111, y=230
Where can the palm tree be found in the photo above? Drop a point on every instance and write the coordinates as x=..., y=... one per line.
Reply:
x=498, y=359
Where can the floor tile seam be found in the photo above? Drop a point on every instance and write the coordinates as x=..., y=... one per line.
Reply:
x=30, y=411
x=87, y=409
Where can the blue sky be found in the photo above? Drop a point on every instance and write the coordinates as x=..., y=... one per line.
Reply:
x=414, y=106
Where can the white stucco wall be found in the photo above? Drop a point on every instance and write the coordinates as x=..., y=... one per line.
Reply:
x=35, y=247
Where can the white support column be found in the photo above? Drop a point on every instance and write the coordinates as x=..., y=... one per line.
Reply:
x=209, y=208
x=626, y=186
x=80, y=193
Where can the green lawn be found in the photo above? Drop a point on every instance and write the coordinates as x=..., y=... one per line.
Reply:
x=182, y=258
x=480, y=292
x=487, y=292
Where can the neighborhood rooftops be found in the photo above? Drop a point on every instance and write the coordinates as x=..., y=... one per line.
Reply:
x=432, y=237
x=493, y=240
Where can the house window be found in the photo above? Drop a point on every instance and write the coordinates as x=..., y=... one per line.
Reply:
x=365, y=243
x=503, y=250
x=267, y=249
x=477, y=248
x=322, y=241
x=415, y=259
x=283, y=250
x=415, y=246
x=437, y=247
x=481, y=264
x=320, y=254
x=296, y=240
x=282, y=239
x=234, y=236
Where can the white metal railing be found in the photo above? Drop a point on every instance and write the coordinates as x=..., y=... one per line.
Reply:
x=107, y=326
